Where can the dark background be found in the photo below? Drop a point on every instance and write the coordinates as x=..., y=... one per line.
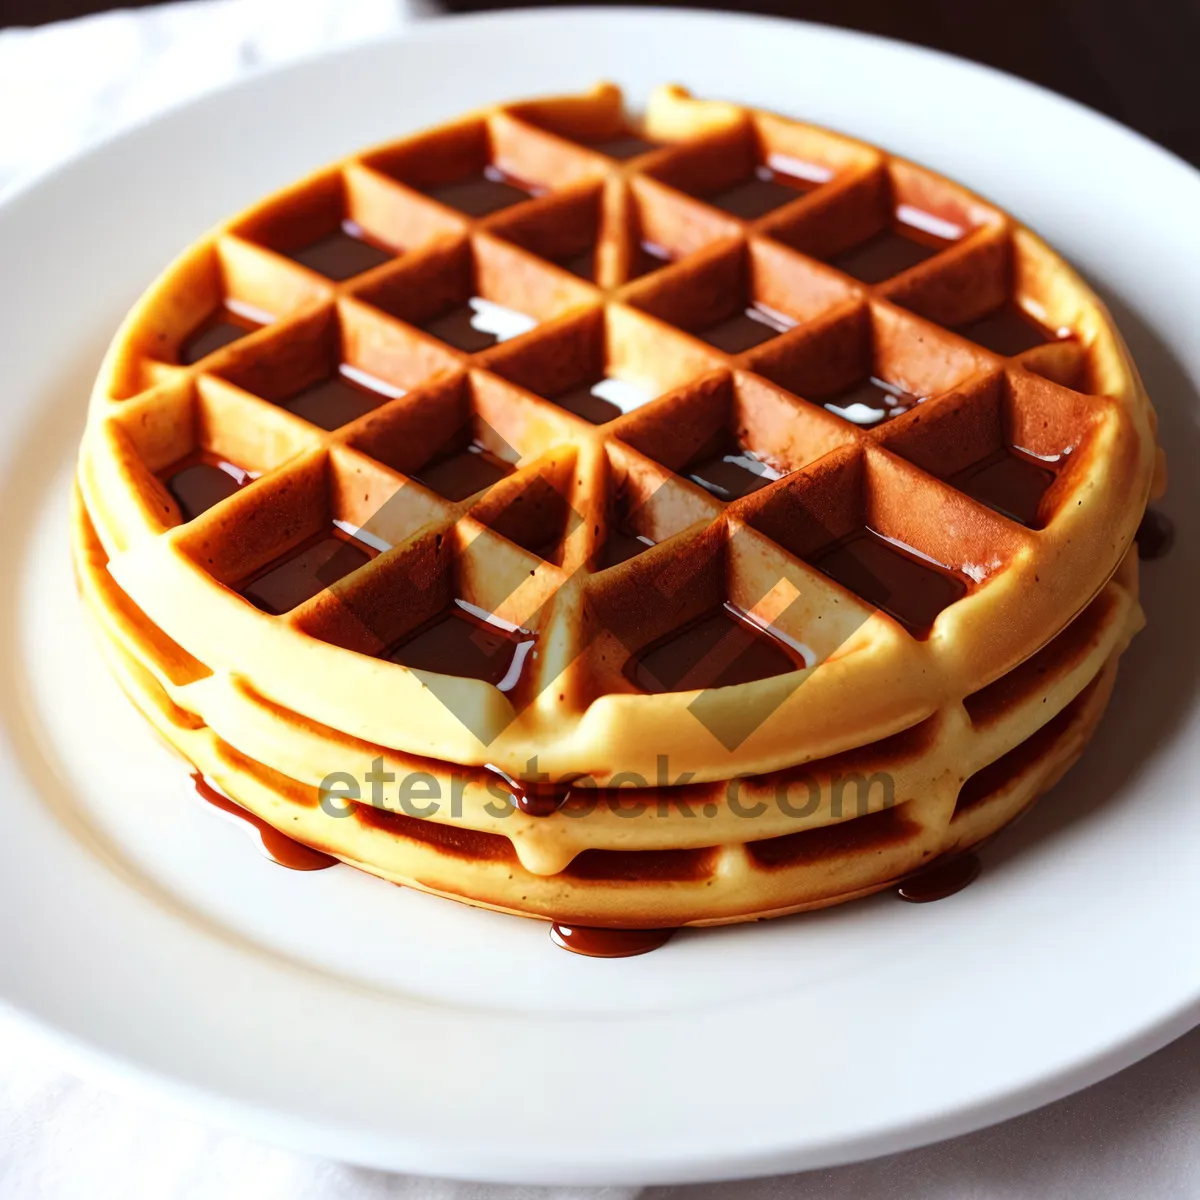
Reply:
x=1136, y=60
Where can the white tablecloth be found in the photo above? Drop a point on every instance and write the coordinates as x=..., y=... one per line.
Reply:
x=1136, y=1135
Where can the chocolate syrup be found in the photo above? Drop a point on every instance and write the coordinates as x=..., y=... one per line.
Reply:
x=202, y=480
x=584, y=403
x=488, y=192
x=1009, y=481
x=307, y=570
x=626, y=146
x=750, y=328
x=478, y=325
x=607, y=943
x=279, y=848
x=582, y=264
x=340, y=399
x=731, y=472
x=1007, y=330
x=940, y=879
x=892, y=577
x=458, y=642
x=457, y=328
x=647, y=257
x=462, y=473
x=621, y=545
x=225, y=324
x=1155, y=535
x=542, y=799
x=349, y=250
x=770, y=187
x=718, y=649
x=871, y=402
x=891, y=251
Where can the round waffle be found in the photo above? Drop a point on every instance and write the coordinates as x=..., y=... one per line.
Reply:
x=728, y=461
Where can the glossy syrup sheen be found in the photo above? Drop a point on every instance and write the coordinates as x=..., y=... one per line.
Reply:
x=583, y=402
x=304, y=572
x=870, y=402
x=893, y=578
x=488, y=192
x=941, y=879
x=747, y=329
x=1008, y=330
x=1008, y=481
x=731, y=471
x=607, y=943
x=647, y=257
x=340, y=398
x=457, y=642
x=348, y=251
x=898, y=248
x=462, y=473
x=771, y=186
x=458, y=328
x=621, y=545
x=535, y=798
x=201, y=480
x=227, y=323
x=478, y=324
x=718, y=649
x=279, y=848
x=626, y=146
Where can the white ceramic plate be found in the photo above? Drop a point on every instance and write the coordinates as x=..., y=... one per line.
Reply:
x=334, y=1013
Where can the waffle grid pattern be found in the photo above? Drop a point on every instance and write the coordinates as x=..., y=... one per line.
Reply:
x=754, y=552
x=971, y=719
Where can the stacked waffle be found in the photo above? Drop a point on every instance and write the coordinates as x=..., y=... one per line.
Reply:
x=632, y=526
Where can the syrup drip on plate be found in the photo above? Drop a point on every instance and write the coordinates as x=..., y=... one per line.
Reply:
x=1155, y=535
x=593, y=942
x=941, y=879
x=279, y=848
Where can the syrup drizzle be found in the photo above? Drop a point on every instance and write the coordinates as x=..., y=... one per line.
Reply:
x=1155, y=535
x=894, y=577
x=463, y=640
x=936, y=882
x=534, y=798
x=278, y=847
x=593, y=942
x=940, y=879
x=539, y=799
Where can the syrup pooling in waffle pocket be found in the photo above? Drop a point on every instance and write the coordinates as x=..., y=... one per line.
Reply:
x=698, y=437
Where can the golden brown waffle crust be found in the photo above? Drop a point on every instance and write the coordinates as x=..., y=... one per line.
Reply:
x=955, y=785
x=873, y=679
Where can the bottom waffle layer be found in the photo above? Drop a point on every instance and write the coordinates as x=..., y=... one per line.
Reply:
x=658, y=886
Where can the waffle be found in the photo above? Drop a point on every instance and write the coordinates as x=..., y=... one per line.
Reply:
x=732, y=503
